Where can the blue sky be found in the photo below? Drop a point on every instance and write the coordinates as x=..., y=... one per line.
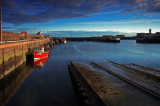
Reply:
x=81, y=17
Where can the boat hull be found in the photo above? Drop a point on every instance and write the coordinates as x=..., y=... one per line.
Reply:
x=38, y=55
x=40, y=62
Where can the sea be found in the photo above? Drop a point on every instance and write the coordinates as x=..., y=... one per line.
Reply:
x=49, y=83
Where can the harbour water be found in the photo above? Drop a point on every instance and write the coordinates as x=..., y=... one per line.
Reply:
x=51, y=84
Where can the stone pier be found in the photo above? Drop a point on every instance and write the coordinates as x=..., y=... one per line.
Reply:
x=14, y=54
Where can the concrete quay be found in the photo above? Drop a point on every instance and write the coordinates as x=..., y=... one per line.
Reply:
x=14, y=54
x=113, y=90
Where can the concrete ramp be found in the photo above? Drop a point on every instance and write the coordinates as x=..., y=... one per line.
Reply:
x=107, y=88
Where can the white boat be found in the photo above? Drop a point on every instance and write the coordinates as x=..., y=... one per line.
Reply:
x=65, y=41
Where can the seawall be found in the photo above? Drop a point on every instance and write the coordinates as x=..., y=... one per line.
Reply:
x=14, y=54
x=10, y=36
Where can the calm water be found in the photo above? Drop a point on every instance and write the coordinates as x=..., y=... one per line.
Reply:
x=51, y=85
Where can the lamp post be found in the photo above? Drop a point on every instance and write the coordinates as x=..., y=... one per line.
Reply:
x=34, y=24
x=34, y=28
x=43, y=29
x=1, y=22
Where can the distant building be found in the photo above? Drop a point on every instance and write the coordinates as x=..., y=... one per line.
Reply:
x=139, y=35
x=158, y=33
x=120, y=36
x=39, y=33
x=24, y=32
x=150, y=31
x=148, y=37
x=107, y=36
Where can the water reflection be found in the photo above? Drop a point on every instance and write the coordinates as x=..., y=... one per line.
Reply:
x=40, y=63
x=10, y=84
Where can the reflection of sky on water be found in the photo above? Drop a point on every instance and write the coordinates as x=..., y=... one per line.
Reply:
x=51, y=85
x=124, y=52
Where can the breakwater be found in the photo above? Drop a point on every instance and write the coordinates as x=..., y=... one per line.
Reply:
x=97, y=39
x=14, y=54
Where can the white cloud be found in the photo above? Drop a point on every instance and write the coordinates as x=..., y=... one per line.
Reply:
x=119, y=22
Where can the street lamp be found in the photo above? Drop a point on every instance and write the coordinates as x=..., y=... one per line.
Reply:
x=1, y=22
x=34, y=24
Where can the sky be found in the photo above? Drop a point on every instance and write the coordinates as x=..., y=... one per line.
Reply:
x=81, y=17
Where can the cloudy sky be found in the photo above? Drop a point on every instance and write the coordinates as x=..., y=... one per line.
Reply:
x=81, y=17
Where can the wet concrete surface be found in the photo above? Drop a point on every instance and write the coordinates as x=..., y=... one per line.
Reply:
x=113, y=91
x=141, y=79
x=153, y=72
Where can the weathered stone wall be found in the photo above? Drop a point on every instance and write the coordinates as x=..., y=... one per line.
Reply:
x=12, y=36
x=9, y=36
x=12, y=56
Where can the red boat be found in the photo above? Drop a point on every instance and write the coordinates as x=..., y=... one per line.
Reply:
x=40, y=54
x=40, y=62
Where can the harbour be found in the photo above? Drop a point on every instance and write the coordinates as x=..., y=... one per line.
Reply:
x=53, y=79
x=79, y=53
x=14, y=54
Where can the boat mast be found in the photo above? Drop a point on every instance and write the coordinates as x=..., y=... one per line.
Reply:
x=34, y=24
x=43, y=29
x=34, y=28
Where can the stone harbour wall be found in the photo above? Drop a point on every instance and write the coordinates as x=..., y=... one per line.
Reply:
x=10, y=36
x=14, y=55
